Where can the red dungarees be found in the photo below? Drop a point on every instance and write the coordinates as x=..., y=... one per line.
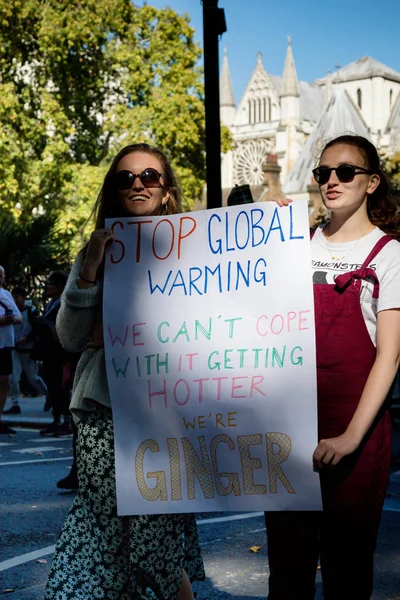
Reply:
x=353, y=492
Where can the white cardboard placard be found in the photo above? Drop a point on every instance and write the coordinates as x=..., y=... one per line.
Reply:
x=210, y=354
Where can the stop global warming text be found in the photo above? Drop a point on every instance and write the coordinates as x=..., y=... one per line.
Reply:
x=226, y=232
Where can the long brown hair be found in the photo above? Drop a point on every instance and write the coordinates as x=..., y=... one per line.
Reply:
x=107, y=203
x=383, y=210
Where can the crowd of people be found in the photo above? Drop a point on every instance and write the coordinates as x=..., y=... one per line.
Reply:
x=357, y=319
x=29, y=340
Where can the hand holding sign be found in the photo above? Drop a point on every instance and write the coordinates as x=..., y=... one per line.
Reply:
x=95, y=252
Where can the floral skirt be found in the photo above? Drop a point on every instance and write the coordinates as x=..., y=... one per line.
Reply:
x=100, y=555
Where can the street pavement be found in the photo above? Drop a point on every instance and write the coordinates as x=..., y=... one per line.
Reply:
x=234, y=545
x=32, y=413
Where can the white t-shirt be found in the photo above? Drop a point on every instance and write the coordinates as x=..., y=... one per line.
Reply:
x=330, y=260
x=7, y=331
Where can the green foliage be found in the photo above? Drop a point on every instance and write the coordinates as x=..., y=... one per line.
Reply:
x=226, y=139
x=391, y=167
x=321, y=216
x=30, y=251
x=79, y=79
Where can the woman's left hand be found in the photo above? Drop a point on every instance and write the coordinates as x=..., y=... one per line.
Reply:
x=330, y=452
x=282, y=201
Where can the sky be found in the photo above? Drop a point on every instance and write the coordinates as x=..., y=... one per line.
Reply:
x=324, y=34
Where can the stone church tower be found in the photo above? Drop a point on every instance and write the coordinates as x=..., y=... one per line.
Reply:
x=288, y=144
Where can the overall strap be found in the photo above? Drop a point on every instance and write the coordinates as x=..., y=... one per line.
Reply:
x=376, y=249
x=344, y=280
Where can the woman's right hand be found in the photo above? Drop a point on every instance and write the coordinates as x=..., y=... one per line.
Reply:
x=95, y=252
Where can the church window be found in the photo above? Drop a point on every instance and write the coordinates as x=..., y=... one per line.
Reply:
x=264, y=106
x=250, y=111
x=248, y=160
x=390, y=98
x=258, y=119
x=359, y=98
x=269, y=109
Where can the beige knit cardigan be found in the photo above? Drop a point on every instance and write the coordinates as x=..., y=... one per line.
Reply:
x=80, y=310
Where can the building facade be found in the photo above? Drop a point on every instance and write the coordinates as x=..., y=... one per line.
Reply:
x=281, y=124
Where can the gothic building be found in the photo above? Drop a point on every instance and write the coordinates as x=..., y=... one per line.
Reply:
x=281, y=124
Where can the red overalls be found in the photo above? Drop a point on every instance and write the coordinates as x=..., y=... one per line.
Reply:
x=353, y=492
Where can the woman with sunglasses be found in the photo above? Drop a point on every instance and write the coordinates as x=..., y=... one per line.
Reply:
x=356, y=271
x=98, y=554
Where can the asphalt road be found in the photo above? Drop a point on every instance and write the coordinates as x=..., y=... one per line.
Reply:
x=32, y=512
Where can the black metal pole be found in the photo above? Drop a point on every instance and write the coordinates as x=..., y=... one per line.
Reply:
x=213, y=26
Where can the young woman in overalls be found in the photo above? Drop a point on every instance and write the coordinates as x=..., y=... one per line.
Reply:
x=356, y=272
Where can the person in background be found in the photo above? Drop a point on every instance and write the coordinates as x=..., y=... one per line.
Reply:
x=9, y=315
x=357, y=319
x=25, y=335
x=146, y=556
x=71, y=482
x=48, y=349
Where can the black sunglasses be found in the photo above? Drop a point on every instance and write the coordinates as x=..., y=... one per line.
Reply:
x=345, y=173
x=149, y=177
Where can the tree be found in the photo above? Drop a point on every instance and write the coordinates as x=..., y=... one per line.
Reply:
x=81, y=79
x=391, y=167
x=29, y=251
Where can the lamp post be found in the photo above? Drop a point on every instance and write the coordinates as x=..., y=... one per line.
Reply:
x=213, y=26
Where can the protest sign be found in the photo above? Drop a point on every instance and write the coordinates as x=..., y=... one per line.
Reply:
x=210, y=355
